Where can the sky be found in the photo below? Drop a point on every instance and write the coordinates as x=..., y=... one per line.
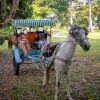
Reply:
x=84, y=1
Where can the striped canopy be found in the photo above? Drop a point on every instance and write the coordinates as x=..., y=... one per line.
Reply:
x=32, y=22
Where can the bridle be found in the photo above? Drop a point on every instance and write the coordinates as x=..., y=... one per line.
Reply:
x=78, y=39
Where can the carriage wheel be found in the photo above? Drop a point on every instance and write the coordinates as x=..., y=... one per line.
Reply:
x=15, y=67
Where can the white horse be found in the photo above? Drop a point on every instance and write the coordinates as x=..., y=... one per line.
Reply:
x=62, y=59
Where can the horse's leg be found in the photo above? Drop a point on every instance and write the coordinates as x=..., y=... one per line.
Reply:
x=46, y=76
x=67, y=82
x=57, y=85
x=59, y=70
x=47, y=72
x=63, y=70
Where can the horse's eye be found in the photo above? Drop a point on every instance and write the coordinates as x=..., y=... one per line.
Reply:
x=77, y=33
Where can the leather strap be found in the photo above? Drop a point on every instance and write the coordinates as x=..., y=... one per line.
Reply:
x=63, y=60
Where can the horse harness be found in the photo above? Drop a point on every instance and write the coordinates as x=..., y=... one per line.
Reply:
x=63, y=60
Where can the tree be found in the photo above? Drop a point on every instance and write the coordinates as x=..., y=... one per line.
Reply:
x=90, y=16
x=41, y=8
x=24, y=10
x=12, y=13
x=96, y=13
x=15, y=9
x=3, y=8
x=71, y=11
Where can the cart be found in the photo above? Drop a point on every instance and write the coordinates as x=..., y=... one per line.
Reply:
x=18, y=55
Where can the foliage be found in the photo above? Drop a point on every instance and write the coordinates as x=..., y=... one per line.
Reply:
x=6, y=30
x=42, y=8
x=81, y=12
x=61, y=8
x=25, y=9
x=39, y=9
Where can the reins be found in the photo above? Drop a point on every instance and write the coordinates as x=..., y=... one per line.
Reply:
x=55, y=57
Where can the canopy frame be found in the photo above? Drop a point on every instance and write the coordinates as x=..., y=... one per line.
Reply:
x=20, y=23
x=32, y=22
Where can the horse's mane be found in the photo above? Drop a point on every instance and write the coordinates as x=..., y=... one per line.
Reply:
x=75, y=26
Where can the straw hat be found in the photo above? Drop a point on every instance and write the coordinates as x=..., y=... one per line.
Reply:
x=40, y=28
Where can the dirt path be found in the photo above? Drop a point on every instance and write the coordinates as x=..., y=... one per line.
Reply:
x=7, y=79
x=85, y=79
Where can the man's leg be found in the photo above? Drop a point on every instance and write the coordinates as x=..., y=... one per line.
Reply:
x=23, y=47
x=28, y=48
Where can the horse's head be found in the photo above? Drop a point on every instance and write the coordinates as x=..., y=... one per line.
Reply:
x=80, y=36
x=1, y=40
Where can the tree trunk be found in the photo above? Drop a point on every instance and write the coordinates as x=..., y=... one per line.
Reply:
x=90, y=16
x=3, y=9
x=12, y=13
x=71, y=13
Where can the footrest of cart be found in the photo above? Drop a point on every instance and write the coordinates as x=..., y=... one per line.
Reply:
x=37, y=59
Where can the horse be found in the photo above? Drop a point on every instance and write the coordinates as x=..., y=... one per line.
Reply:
x=11, y=40
x=62, y=57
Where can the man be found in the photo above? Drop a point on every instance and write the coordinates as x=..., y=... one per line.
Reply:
x=23, y=42
x=32, y=35
x=42, y=41
x=42, y=34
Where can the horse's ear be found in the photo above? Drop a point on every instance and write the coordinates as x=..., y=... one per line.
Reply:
x=71, y=25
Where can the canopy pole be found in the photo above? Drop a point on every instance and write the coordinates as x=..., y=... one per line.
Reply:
x=50, y=33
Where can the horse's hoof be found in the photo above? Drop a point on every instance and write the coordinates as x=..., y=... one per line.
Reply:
x=49, y=82
x=70, y=98
x=44, y=84
x=56, y=97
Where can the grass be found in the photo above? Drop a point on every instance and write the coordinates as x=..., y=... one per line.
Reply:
x=4, y=47
x=30, y=91
x=92, y=92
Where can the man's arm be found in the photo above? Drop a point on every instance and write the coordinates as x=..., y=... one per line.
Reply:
x=48, y=34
